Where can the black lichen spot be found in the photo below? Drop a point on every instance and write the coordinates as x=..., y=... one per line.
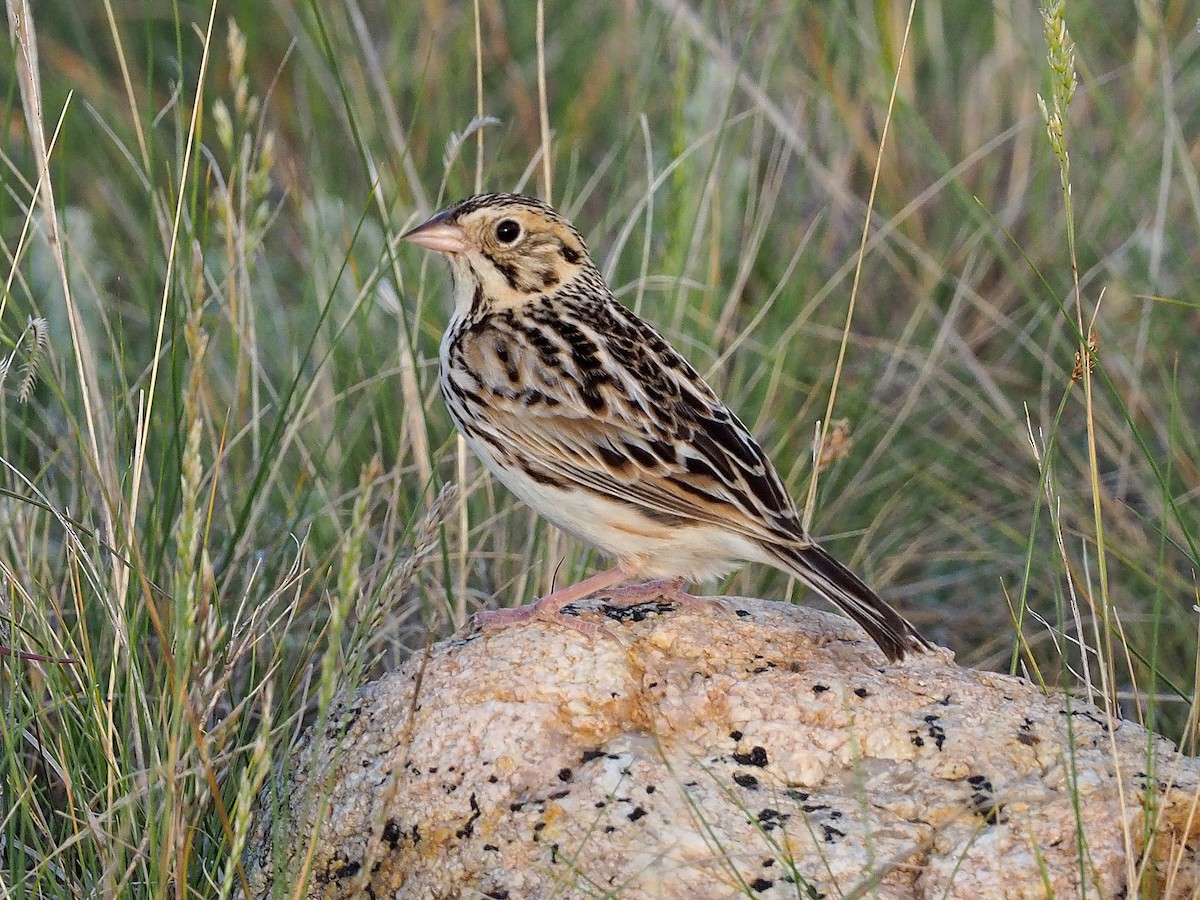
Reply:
x=609, y=829
x=746, y=780
x=735, y=735
x=468, y=828
x=936, y=731
x=637, y=813
x=349, y=870
x=564, y=774
x=1029, y=740
x=492, y=779
x=992, y=814
x=742, y=613
x=832, y=834
x=797, y=795
x=983, y=801
x=819, y=688
x=344, y=721
x=650, y=789
x=516, y=807
x=861, y=692
x=558, y=795
x=756, y=757
x=392, y=833
x=498, y=894
x=638, y=613
x=770, y=818
x=491, y=847
x=761, y=884
x=1087, y=715
x=589, y=755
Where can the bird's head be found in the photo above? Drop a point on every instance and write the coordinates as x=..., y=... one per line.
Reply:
x=505, y=250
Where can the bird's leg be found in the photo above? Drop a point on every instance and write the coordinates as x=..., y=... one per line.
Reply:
x=549, y=608
x=669, y=589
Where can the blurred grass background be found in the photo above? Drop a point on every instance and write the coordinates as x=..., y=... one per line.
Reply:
x=222, y=450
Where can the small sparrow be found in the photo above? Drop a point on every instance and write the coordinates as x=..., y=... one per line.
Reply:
x=587, y=414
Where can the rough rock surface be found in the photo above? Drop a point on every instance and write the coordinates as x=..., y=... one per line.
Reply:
x=751, y=748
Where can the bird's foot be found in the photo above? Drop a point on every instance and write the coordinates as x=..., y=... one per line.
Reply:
x=549, y=608
x=669, y=589
x=488, y=620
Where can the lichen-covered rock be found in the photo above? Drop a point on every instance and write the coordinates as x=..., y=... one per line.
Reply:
x=750, y=748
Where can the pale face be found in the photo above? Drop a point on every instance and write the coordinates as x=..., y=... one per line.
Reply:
x=503, y=253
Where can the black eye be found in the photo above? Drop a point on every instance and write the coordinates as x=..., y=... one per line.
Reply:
x=507, y=231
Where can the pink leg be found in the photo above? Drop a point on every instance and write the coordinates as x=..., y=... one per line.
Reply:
x=549, y=608
x=669, y=589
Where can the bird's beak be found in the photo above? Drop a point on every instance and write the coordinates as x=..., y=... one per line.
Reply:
x=439, y=234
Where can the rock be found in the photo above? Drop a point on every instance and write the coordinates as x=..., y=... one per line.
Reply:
x=749, y=748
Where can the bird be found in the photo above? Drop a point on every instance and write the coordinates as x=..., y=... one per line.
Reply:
x=586, y=413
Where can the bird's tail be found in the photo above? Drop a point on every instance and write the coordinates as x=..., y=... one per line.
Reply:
x=850, y=594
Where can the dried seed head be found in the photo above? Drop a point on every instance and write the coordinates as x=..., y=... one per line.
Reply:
x=1085, y=363
x=837, y=444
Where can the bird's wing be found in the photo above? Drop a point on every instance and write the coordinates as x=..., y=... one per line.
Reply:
x=600, y=401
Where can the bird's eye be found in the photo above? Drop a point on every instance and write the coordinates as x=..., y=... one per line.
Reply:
x=507, y=231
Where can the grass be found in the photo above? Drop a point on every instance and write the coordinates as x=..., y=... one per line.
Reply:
x=223, y=456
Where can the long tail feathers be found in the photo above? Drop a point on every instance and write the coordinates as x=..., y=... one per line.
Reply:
x=850, y=594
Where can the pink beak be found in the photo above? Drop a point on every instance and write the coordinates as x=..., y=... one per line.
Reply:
x=439, y=234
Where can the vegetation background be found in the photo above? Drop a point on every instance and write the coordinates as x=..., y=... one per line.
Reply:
x=223, y=458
